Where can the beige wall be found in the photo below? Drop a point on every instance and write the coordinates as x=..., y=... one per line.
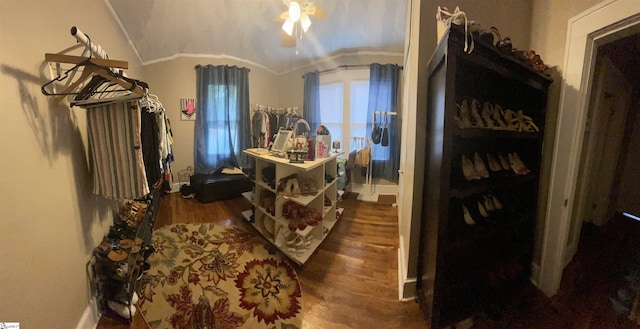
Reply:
x=549, y=21
x=175, y=79
x=49, y=219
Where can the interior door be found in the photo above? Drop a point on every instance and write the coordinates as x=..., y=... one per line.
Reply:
x=608, y=133
x=604, y=134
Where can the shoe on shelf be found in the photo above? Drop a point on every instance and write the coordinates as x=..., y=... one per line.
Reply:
x=512, y=121
x=122, y=310
x=494, y=165
x=487, y=111
x=304, y=187
x=292, y=188
x=468, y=169
x=482, y=211
x=496, y=202
x=498, y=114
x=488, y=203
x=476, y=119
x=517, y=165
x=503, y=162
x=525, y=123
x=467, y=216
x=479, y=165
x=463, y=116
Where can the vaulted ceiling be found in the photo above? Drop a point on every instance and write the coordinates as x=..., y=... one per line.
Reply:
x=247, y=29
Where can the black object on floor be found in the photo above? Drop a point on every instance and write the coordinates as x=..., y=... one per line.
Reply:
x=218, y=186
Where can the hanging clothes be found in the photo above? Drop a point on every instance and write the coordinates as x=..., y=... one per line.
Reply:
x=150, y=137
x=116, y=150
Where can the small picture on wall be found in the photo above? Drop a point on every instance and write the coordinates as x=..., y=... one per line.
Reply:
x=188, y=109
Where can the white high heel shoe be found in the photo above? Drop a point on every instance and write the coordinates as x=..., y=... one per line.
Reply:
x=475, y=116
x=463, y=116
x=488, y=203
x=503, y=162
x=525, y=123
x=511, y=120
x=494, y=165
x=498, y=114
x=482, y=211
x=467, y=216
x=487, y=111
x=479, y=165
x=496, y=202
x=517, y=165
x=468, y=170
x=122, y=310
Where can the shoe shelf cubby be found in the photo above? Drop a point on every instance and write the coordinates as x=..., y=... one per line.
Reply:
x=485, y=118
x=294, y=204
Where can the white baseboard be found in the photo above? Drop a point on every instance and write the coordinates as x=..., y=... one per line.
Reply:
x=406, y=286
x=386, y=189
x=90, y=317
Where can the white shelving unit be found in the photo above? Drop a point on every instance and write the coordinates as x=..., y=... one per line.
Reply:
x=275, y=227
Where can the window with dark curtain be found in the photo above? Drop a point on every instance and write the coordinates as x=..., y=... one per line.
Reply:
x=222, y=127
x=383, y=97
x=311, y=99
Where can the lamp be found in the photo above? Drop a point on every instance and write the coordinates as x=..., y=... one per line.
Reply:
x=336, y=145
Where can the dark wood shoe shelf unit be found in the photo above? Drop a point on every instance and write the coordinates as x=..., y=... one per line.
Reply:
x=466, y=269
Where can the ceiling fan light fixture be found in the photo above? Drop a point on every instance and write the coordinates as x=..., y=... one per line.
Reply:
x=287, y=26
x=294, y=11
x=305, y=22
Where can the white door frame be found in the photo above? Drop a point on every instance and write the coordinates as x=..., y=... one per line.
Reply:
x=585, y=32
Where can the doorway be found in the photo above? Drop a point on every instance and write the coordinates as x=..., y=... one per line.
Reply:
x=587, y=31
x=607, y=169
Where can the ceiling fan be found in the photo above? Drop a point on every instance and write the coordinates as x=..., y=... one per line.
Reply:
x=296, y=21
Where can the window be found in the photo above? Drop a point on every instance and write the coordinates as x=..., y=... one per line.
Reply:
x=344, y=98
x=331, y=107
x=223, y=98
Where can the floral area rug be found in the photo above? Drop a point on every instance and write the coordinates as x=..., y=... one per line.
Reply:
x=215, y=276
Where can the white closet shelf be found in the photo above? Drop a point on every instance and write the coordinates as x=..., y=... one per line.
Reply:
x=315, y=170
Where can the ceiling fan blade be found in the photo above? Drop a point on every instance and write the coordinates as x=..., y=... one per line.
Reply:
x=287, y=41
x=283, y=17
x=320, y=13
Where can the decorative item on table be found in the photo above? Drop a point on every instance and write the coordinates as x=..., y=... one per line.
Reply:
x=188, y=109
x=281, y=143
x=336, y=145
x=297, y=156
x=311, y=146
x=323, y=142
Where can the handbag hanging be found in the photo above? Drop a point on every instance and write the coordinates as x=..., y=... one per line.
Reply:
x=376, y=131
x=385, y=133
x=299, y=138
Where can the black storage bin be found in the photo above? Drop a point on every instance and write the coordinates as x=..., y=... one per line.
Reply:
x=218, y=186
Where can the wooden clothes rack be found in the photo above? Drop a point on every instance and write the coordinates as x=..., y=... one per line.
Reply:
x=96, y=69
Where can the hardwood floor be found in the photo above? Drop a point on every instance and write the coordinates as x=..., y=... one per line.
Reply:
x=351, y=280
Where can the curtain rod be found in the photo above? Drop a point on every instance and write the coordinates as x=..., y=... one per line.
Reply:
x=346, y=67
